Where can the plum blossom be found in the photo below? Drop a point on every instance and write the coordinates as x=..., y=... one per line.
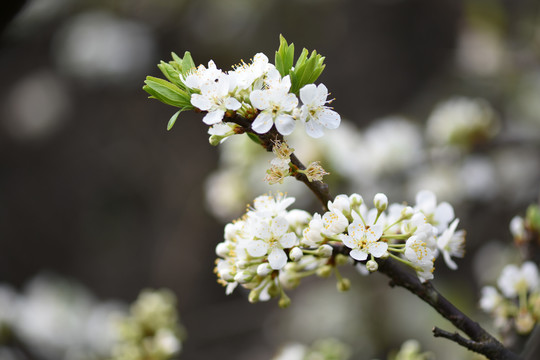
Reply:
x=514, y=280
x=439, y=215
x=271, y=238
x=276, y=105
x=452, y=243
x=314, y=113
x=363, y=239
x=215, y=99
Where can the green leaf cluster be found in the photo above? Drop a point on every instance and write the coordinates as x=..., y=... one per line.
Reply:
x=306, y=70
x=172, y=91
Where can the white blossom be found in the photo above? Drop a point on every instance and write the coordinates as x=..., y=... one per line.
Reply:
x=452, y=243
x=514, y=280
x=314, y=112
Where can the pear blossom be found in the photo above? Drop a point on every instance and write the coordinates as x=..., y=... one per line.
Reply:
x=314, y=113
x=451, y=243
x=363, y=239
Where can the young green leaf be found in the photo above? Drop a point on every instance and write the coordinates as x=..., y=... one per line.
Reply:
x=284, y=56
x=167, y=92
x=172, y=120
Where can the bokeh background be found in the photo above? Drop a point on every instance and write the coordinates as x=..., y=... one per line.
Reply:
x=93, y=188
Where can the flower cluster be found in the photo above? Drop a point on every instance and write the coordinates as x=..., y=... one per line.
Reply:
x=271, y=248
x=264, y=94
x=322, y=349
x=516, y=302
x=151, y=330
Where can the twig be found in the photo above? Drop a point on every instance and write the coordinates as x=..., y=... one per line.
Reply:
x=319, y=188
x=480, y=340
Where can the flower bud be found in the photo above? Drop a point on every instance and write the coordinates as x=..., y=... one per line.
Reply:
x=407, y=213
x=524, y=322
x=325, y=251
x=324, y=271
x=215, y=140
x=295, y=254
x=343, y=259
x=284, y=301
x=380, y=201
x=356, y=199
x=343, y=284
x=243, y=277
x=222, y=249
x=372, y=265
x=253, y=296
x=273, y=290
x=264, y=269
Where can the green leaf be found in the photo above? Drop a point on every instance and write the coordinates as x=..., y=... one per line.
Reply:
x=167, y=92
x=172, y=120
x=187, y=63
x=307, y=70
x=254, y=138
x=284, y=56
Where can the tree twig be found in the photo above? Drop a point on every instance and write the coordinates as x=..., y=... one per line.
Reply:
x=319, y=188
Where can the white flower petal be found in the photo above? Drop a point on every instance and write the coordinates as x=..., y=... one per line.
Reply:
x=308, y=94
x=279, y=226
x=201, y=102
x=232, y=104
x=214, y=117
x=288, y=240
x=313, y=129
x=277, y=258
x=263, y=123
x=259, y=99
x=257, y=248
x=347, y=241
x=378, y=248
x=328, y=118
x=358, y=254
x=285, y=124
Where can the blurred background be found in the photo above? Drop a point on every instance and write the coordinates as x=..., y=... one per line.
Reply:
x=95, y=190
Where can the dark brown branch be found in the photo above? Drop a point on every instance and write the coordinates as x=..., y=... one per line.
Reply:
x=484, y=343
x=480, y=340
x=319, y=188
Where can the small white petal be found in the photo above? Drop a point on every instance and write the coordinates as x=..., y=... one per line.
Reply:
x=263, y=123
x=313, y=129
x=201, y=102
x=257, y=248
x=308, y=94
x=232, y=104
x=279, y=226
x=277, y=258
x=288, y=240
x=329, y=118
x=285, y=124
x=259, y=99
x=214, y=117
x=378, y=248
x=358, y=254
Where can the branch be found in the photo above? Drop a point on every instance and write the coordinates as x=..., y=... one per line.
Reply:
x=319, y=188
x=481, y=341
